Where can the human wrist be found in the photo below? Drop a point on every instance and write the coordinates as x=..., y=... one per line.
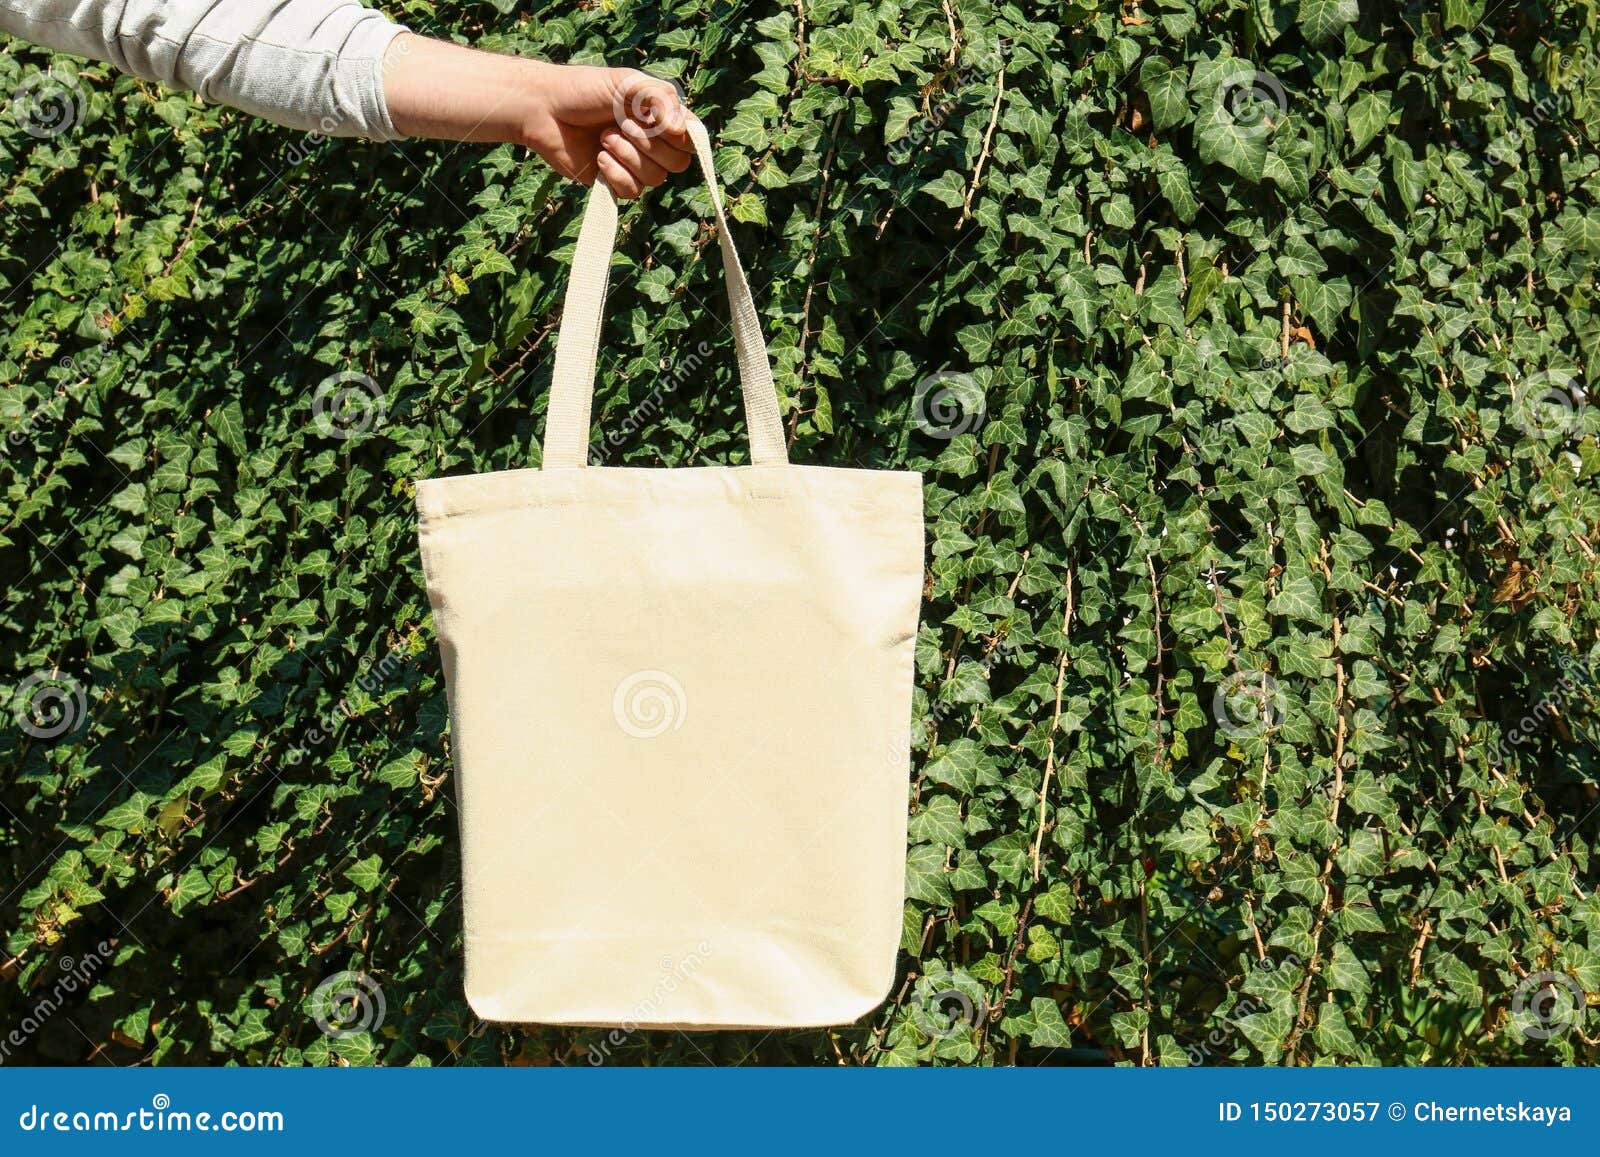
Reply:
x=532, y=121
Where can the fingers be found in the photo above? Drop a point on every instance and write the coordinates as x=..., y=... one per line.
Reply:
x=633, y=158
x=647, y=159
x=623, y=183
x=671, y=156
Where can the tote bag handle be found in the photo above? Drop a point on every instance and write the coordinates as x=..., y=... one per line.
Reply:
x=578, y=342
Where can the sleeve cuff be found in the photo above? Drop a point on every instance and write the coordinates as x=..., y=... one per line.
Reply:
x=359, y=80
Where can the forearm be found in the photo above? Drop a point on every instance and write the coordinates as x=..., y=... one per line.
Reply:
x=437, y=89
x=315, y=65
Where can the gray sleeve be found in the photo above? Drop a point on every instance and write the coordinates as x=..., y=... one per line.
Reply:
x=315, y=65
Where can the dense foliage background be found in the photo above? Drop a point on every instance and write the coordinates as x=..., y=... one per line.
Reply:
x=1243, y=343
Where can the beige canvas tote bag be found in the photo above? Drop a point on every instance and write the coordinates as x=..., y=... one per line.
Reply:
x=680, y=706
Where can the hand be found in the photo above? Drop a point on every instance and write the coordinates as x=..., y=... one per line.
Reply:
x=624, y=124
x=620, y=123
